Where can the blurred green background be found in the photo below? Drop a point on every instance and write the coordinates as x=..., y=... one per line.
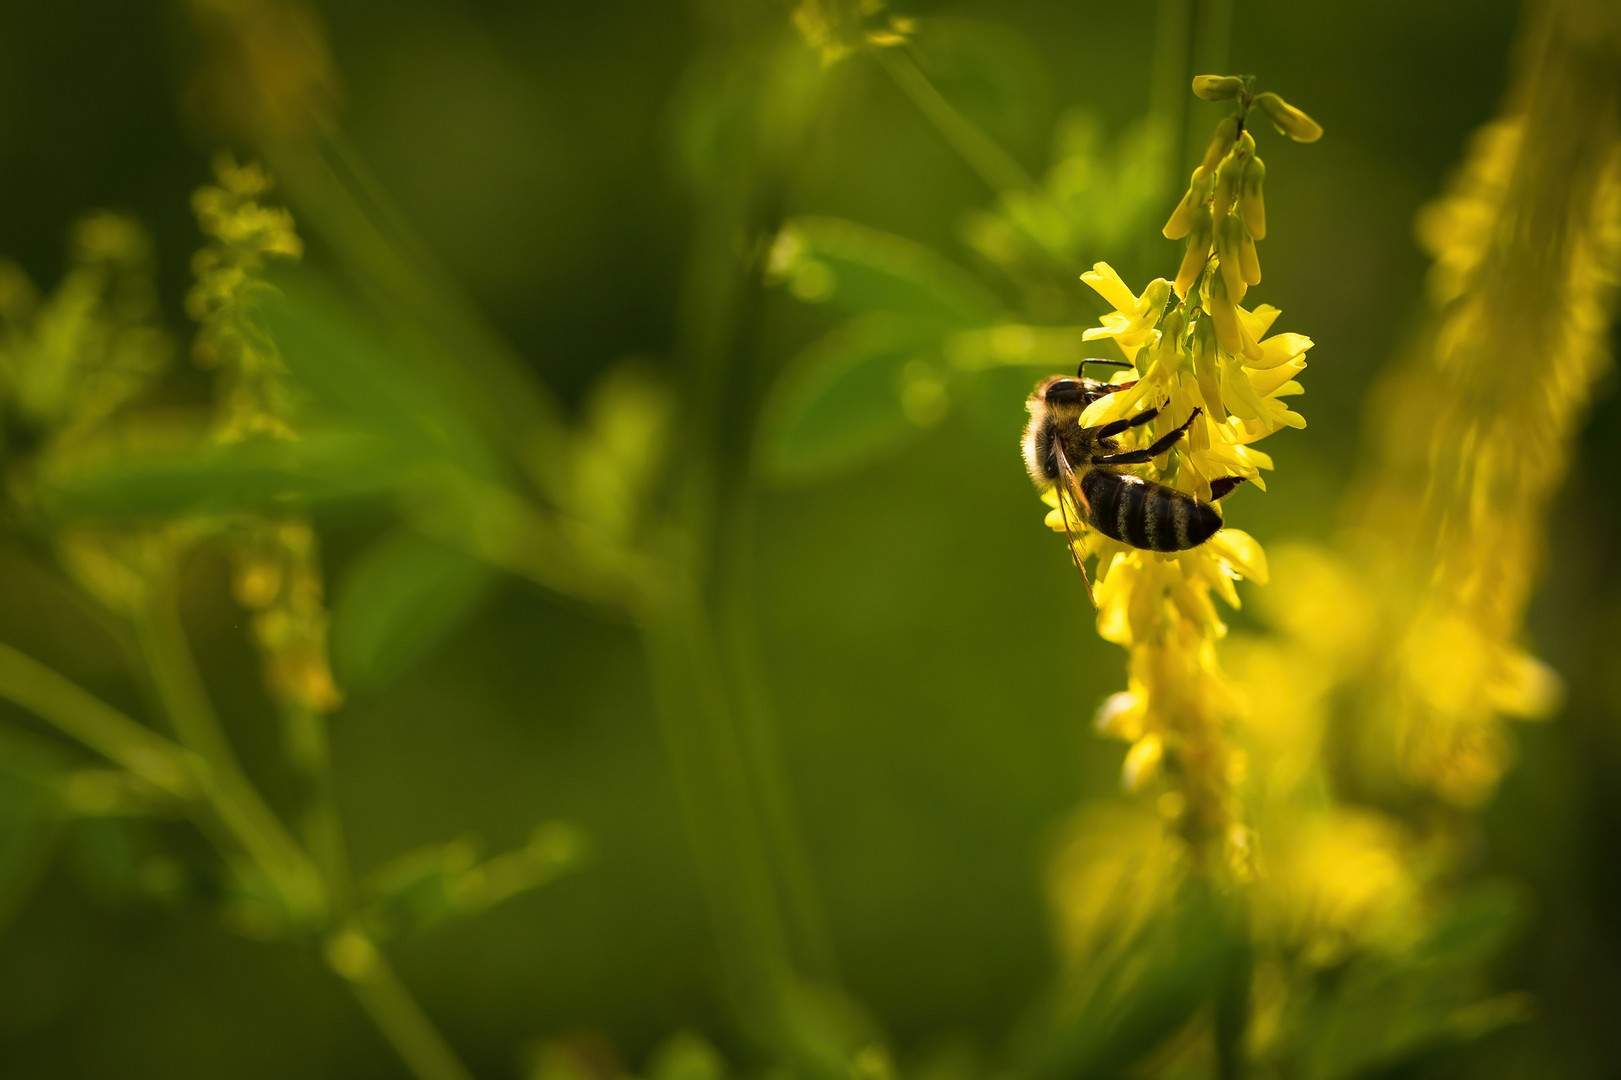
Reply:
x=926, y=651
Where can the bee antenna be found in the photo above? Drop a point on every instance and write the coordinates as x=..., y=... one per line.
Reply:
x=1081, y=371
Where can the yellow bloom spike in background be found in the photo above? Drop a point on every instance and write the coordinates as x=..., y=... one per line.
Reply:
x=1210, y=353
x=1475, y=434
x=277, y=573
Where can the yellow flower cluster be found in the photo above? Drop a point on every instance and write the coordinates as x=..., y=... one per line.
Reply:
x=243, y=235
x=277, y=573
x=1475, y=443
x=1192, y=346
x=71, y=359
x=836, y=28
x=277, y=576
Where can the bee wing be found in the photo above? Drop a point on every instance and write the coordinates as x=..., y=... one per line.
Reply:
x=1071, y=495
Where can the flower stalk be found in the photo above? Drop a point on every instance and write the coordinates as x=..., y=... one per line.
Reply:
x=1208, y=365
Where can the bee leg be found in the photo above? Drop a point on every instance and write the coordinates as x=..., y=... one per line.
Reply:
x=1115, y=427
x=1148, y=453
x=1222, y=486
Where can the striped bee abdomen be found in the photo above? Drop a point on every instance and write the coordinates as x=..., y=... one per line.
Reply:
x=1145, y=514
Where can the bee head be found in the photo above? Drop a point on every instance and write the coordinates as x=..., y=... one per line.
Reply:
x=1069, y=392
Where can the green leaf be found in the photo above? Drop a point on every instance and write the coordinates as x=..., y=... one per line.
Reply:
x=1386, y=1015
x=865, y=271
x=399, y=600
x=352, y=366
x=851, y=397
x=205, y=478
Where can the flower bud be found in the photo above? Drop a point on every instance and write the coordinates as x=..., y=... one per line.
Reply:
x=1228, y=181
x=1229, y=233
x=1221, y=141
x=1170, y=354
x=1181, y=219
x=1217, y=87
x=1289, y=120
x=1198, y=251
x=1154, y=299
x=1205, y=369
x=1224, y=313
x=1250, y=203
x=1249, y=263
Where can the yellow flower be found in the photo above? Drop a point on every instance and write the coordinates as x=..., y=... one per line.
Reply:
x=1131, y=324
x=1209, y=368
x=276, y=560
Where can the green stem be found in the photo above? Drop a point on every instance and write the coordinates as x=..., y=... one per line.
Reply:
x=308, y=889
x=85, y=718
x=402, y=1022
x=711, y=771
x=180, y=690
x=994, y=165
x=309, y=747
x=804, y=918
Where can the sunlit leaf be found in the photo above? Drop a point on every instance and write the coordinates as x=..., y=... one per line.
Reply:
x=865, y=271
x=845, y=400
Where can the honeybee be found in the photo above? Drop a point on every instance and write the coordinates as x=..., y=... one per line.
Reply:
x=1088, y=468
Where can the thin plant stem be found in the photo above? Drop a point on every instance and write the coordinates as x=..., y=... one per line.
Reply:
x=727, y=777
x=308, y=887
x=711, y=771
x=1001, y=173
x=309, y=747
x=242, y=810
x=81, y=716
x=408, y=1030
x=762, y=748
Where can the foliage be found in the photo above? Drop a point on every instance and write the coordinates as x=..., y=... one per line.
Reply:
x=216, y=572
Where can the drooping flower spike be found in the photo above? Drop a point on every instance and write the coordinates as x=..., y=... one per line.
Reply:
x=1207, y=364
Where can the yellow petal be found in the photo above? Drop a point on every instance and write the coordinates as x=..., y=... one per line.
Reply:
x=1217, y=87
x=1239, y=550
x=1181, y=219
x=1120, y=716
x=1228, y=241
x=1231, y=330
x=1221, y=141
x=1289, y=120
x=1249, y=261
x=1142, y=762
x=1525, y=687
x=1107, y=284
x=1251, y=203
x=1280, y=349
x=1258, y=322
x=1204, y=369
x=1198, y=251
x=1269, y=381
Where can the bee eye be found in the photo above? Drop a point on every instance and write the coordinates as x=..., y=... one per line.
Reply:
x=1064, y=390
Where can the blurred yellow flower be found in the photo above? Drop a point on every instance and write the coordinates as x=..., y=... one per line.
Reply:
x=277, y=574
